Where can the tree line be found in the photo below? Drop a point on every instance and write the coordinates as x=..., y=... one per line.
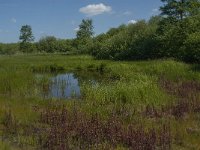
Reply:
x=175, y=33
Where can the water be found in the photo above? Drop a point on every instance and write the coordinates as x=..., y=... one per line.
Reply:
x=62, y=86
x=66, y=85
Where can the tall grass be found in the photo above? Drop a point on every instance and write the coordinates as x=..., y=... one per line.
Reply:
x=146, y=93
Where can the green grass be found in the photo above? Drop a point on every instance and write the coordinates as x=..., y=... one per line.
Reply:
x=134, y=85
x=4, y=146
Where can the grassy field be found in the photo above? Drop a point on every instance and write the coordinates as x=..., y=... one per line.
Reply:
x=137, y=105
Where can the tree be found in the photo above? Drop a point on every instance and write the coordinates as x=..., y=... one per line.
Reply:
x=26, y=37
x=26, y=34
x=1, y=49
x=180, y=9
x=47, y=44
x=85, y=29
x=84, y=35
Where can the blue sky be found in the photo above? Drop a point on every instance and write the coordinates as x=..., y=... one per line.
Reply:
x=62, y=17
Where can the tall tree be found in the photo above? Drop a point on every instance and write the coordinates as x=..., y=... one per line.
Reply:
x=85, y=29
x=26, y=34
x=26, y=37
x=84, y=36
x=180, y=9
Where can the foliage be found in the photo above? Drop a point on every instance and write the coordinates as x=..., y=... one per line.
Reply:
x=191, y=45
x=47, y=44
x=83, y=46
x=172, y=34
x=180, y=39
x=126, y=42
x=50, y=44
x=180, y=9
x=192, y=48
x=27, y=47
x=26, y=34
x=85, y=29
x=9, y=49
x=84, y=36
x=26, y=37
x=144, y=104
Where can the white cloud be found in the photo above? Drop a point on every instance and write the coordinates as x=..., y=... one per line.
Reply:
x=95, y=9
x=132, y=21
x=13, y=20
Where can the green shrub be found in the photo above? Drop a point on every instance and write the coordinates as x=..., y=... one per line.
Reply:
x=192, y=48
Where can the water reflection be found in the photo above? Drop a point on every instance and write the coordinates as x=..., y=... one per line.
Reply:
x=62, y=86
x=65, y=86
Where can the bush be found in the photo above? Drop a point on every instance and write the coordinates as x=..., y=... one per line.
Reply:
x=9, y=49
x=50, y=44
x=192, y=48
x=27, y=47
x=127, y=42
x=179, y=39
x=47, y=44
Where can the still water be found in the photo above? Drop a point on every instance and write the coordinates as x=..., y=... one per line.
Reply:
x=61, y=86
x=64, y=86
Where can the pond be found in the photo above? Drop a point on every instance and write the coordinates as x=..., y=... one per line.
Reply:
x=63, y=86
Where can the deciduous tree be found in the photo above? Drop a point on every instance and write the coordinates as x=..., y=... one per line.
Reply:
x=180, y=9
x=26, y=37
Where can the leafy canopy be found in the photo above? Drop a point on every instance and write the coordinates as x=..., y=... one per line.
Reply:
x=26, y=34
x=180, y=9
x=85, y=29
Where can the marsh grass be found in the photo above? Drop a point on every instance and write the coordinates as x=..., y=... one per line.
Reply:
x=6, y=146
x=150, y=96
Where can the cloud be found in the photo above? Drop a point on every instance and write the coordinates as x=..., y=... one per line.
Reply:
x=13, y=20
x=132, y=21
x=95, y=9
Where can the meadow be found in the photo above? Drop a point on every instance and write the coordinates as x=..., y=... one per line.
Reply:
x=138, y=105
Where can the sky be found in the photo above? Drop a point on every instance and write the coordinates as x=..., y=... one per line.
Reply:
x=61, y=18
